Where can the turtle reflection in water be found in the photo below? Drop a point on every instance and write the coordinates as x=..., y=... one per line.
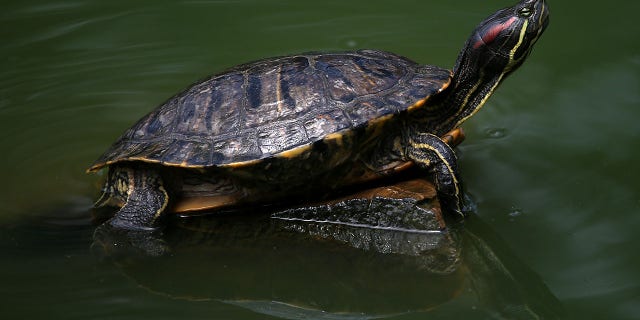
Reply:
x=308, y=124
x=392, y=255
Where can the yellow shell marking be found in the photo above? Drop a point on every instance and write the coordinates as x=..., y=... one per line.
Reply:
x=418, y=104
x=293, y=153
x=335, y=137
x=240, y=164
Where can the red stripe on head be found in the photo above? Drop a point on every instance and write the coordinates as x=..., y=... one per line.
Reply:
x=493, y=32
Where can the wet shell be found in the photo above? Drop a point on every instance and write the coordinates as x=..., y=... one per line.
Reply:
x=276, y=107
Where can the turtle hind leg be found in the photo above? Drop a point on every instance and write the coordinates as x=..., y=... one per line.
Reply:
x=145, y=202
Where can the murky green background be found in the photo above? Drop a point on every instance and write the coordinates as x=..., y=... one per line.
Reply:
x=552, y=159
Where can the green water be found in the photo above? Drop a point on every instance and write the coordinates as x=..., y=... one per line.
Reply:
x=551, y=160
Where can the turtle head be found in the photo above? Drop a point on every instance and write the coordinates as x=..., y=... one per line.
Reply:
x=502, y=41
x=497, y=47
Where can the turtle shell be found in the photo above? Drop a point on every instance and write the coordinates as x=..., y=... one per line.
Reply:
x=273, y=106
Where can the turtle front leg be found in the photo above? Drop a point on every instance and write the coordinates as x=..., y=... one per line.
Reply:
x=145, y=202
x=141, y=211
x=430, y=152
x=134, y=228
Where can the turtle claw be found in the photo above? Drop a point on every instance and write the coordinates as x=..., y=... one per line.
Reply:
x=458, y=206
x=454, y=210
x=119, y=223
x=467, y=204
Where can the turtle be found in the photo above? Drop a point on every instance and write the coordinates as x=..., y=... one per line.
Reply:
x=303, y=125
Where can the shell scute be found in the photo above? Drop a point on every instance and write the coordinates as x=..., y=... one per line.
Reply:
x=226, y=112
x=235, y=148
x=274, y=139
x=369, y=109
x=198, y=153
x=352, y=78
x=334, y=120
x=159, y=125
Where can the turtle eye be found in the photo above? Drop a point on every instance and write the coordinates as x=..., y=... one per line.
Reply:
x=525, y=12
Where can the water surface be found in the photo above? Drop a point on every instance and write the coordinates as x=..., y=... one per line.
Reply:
x=551, y=159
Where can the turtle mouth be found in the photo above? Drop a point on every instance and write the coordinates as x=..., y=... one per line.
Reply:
x=542, y=12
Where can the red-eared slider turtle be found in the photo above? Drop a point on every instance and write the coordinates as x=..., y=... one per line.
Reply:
x=305, y=124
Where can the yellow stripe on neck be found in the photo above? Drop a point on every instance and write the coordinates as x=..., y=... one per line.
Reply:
x=484, y=99
x=512, y=53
